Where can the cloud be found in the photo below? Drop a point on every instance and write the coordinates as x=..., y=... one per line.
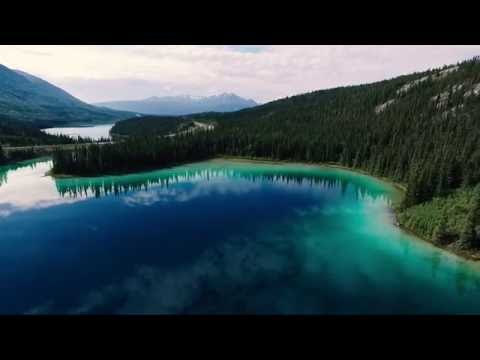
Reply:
x=264, y=73
x=199, y=187
x=35, y=52
x=43, y=309
x=239, y=264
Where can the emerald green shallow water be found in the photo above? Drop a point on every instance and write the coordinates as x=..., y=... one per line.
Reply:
x=218, y=237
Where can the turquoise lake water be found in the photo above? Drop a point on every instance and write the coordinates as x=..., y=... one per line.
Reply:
x=218, y=237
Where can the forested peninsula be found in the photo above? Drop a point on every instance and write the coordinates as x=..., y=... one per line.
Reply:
x=421, y=130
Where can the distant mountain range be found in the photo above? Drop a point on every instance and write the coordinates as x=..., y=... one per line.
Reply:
x=27, y=98
x=182, y=105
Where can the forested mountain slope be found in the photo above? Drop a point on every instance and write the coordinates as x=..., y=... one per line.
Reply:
x=21, y=133
x=28, y=98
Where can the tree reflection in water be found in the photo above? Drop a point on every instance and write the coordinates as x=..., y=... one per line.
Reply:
x=123, y=184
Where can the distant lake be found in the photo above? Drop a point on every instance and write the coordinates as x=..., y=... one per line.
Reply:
x=94, y=132
x=218, y=237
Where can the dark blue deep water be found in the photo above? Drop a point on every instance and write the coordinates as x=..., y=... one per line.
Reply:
x=218, y=237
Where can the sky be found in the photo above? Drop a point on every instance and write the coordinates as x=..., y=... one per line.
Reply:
x=97, y=73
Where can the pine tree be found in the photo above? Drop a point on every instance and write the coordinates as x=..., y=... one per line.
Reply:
x=469, y=237
x=411, y=196
x=476, y=204
x=2, y=155
x=440, y=235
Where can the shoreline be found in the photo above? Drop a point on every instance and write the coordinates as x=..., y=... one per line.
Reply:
x=465, y=255
x=119, y=173
x=400, y=189
x=397, y=185
x=33, y=159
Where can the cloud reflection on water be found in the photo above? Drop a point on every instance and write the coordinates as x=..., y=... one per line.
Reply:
x=27, y=188
x=236, y=266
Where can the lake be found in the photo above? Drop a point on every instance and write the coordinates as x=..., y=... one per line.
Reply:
x=94, y=132
x=218, y=237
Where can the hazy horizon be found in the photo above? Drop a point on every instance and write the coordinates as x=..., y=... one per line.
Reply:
x=154, y=97
x=260, y=72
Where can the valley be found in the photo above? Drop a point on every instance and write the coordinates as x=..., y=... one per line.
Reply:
x=322, y=202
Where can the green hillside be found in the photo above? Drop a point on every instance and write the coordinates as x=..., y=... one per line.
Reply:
x=28, y=98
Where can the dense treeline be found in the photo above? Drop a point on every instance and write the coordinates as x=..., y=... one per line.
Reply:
x=422, y=130
x=149, y=125
x=14, y=132
x=3, y=158
x=16, y=155
x=448, y=220
x=135, y=153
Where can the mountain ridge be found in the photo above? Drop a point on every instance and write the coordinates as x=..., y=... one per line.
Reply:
x=28, y=98
x=177, y=105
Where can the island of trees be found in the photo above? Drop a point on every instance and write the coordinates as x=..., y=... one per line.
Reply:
x=421, y=130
